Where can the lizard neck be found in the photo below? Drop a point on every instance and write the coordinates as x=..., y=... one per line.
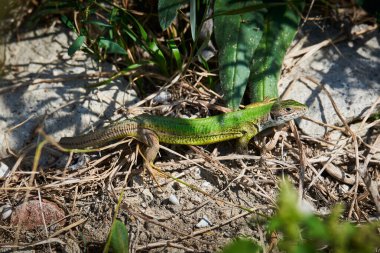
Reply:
x=270, y=120
x=266, y=122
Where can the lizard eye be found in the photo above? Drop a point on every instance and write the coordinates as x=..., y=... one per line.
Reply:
x=288, y=109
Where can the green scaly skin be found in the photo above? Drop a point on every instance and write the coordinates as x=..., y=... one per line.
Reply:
x=150, y=130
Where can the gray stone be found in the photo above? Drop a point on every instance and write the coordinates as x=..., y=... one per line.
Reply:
x=52, y=90
x=349, y=70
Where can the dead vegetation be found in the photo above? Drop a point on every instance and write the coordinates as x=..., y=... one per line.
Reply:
x=231, y=192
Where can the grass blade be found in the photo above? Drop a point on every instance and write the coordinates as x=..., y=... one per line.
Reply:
x=237, y=37
x=77, y=44
x=119, y=237
x=167, y=11
x=111, y=47
x=193, y=18
x=280, y=27
x=175, y=53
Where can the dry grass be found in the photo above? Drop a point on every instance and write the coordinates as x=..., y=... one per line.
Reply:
x=229, y=189
x=234, y=191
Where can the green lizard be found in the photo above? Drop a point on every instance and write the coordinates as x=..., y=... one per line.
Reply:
x=151, y=130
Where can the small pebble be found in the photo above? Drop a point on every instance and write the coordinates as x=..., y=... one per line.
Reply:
x=38, y=214
x=206, y=184
x=343, y=188
x=306, y=207
x=147, y=195
x=324, y=210
x=204, y=222
x=82, y=160
x=6, y=211
x=173, y=199
x=208, y=52
x=176, y=186
x=162, y=97
x=4, y=170
x=196, y=199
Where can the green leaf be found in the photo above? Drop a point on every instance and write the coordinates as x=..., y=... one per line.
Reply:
x=167, y=11
x=158, y=56
x=119, y=237
x=126, y=71
x=97, y=23
x=68, y=23
x=148, y=44
x=242, y=245
x=193, y=18
x=111, y=47
x=237, y=37
x=131, y=35
x=76, y=45
x=175, y=53
x=130, y=20
x=280, y=27
x=114, y=16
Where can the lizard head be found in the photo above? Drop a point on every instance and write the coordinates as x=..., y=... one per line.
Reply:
x=287, y=110
x=284, y=111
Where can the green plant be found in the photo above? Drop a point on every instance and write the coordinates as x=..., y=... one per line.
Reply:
x=107, y=29
x=309, y=233
x=237, y=37
x=280, y=25
x=242, y=245
x=252, y=38
x=118, y=239
x=304, y=232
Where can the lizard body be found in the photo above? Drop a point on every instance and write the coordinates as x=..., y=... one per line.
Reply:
x=151, y=130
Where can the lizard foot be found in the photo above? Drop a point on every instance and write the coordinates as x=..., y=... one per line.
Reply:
x=154, y=171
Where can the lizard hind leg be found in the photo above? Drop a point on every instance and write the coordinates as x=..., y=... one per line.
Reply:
x=152, y=146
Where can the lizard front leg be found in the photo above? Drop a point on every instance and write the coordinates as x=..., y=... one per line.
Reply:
x=248, y=131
